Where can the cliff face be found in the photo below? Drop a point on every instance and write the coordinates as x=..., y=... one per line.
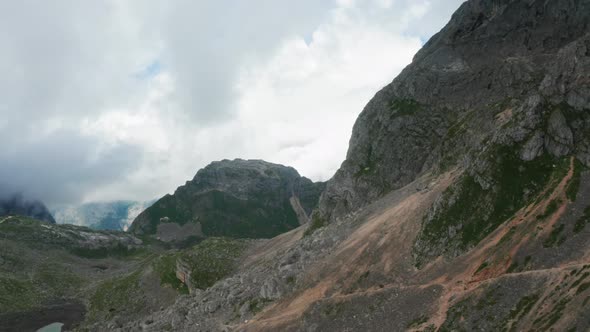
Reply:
x=17, y=205
x=496, y=64
x=239, y=198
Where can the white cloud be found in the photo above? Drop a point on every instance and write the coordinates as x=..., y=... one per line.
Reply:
x=127, y=100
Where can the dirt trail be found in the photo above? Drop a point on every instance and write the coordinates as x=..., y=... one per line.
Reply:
x=383, y=242
x=383, y=245
x=490, y=250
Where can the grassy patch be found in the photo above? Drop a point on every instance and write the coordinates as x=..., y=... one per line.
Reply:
x=554, y=316
x=256, y=305
x=523, y=307
x=18, y=294
x=333, y=309
x=550, y=209
x=404, y=107
x=220, y=214
x=583, y=221
x=115, y=296
x=212, y=260
x=583, y=287
x=573, y=186
x=416, y=322
x=580, y=280
x=556, y=238
x=369, y=166
x=165, y=267
x=482, y=267
x=473, y=212
x=316, y=223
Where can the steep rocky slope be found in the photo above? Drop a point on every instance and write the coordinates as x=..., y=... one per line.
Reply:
x=462, y=203
x=237, y=198
x=16, y=204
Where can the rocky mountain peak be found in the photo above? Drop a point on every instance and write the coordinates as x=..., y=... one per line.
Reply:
x=237, y=198
x=500, y=72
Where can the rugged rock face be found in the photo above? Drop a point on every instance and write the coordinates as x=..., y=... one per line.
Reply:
x=17, y=205
x=239, y=198
x=495, y=62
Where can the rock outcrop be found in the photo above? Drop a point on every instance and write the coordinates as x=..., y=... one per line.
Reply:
x=235, y=198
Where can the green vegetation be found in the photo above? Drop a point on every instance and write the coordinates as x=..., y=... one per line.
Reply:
x=316, y=223
x=514, y=267
x=579, y=281
x=583, y=287
x=416, y=322
x=550, y=209
x=118, y=251
x=119, y=294
x=402, y=107
x=223, y=215
x=475, y=212
x=573, y=185
x=369, y=165
x=482, y=267
x=523, y=307
x=212, y=260
x=256, y=305
x=508, y=235
x=17, y=294
x=583, y=221
x=554, y=316
x=56, y=279
x=333, y=309
x=556, y=238
x=165, y=267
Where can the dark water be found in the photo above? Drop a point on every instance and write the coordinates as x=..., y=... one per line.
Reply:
x=69, y=313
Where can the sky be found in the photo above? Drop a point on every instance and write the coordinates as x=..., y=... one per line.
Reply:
x=108, y=100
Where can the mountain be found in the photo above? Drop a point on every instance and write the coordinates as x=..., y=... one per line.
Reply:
x=232, y=198
x=117, y=215
x=462, y=205
x=16, y=204
x=462, y=202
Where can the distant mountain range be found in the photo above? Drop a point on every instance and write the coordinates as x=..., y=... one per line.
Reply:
x=17, y=204
x=117, y=215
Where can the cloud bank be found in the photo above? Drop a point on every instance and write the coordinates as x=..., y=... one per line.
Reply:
x=117, y=100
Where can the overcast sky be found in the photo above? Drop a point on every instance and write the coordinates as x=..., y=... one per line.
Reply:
x=107, y=100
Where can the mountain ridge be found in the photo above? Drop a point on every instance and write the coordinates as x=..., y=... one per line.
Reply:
x=236, y=198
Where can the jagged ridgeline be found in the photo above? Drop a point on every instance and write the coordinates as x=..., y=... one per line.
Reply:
x=233, y=198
